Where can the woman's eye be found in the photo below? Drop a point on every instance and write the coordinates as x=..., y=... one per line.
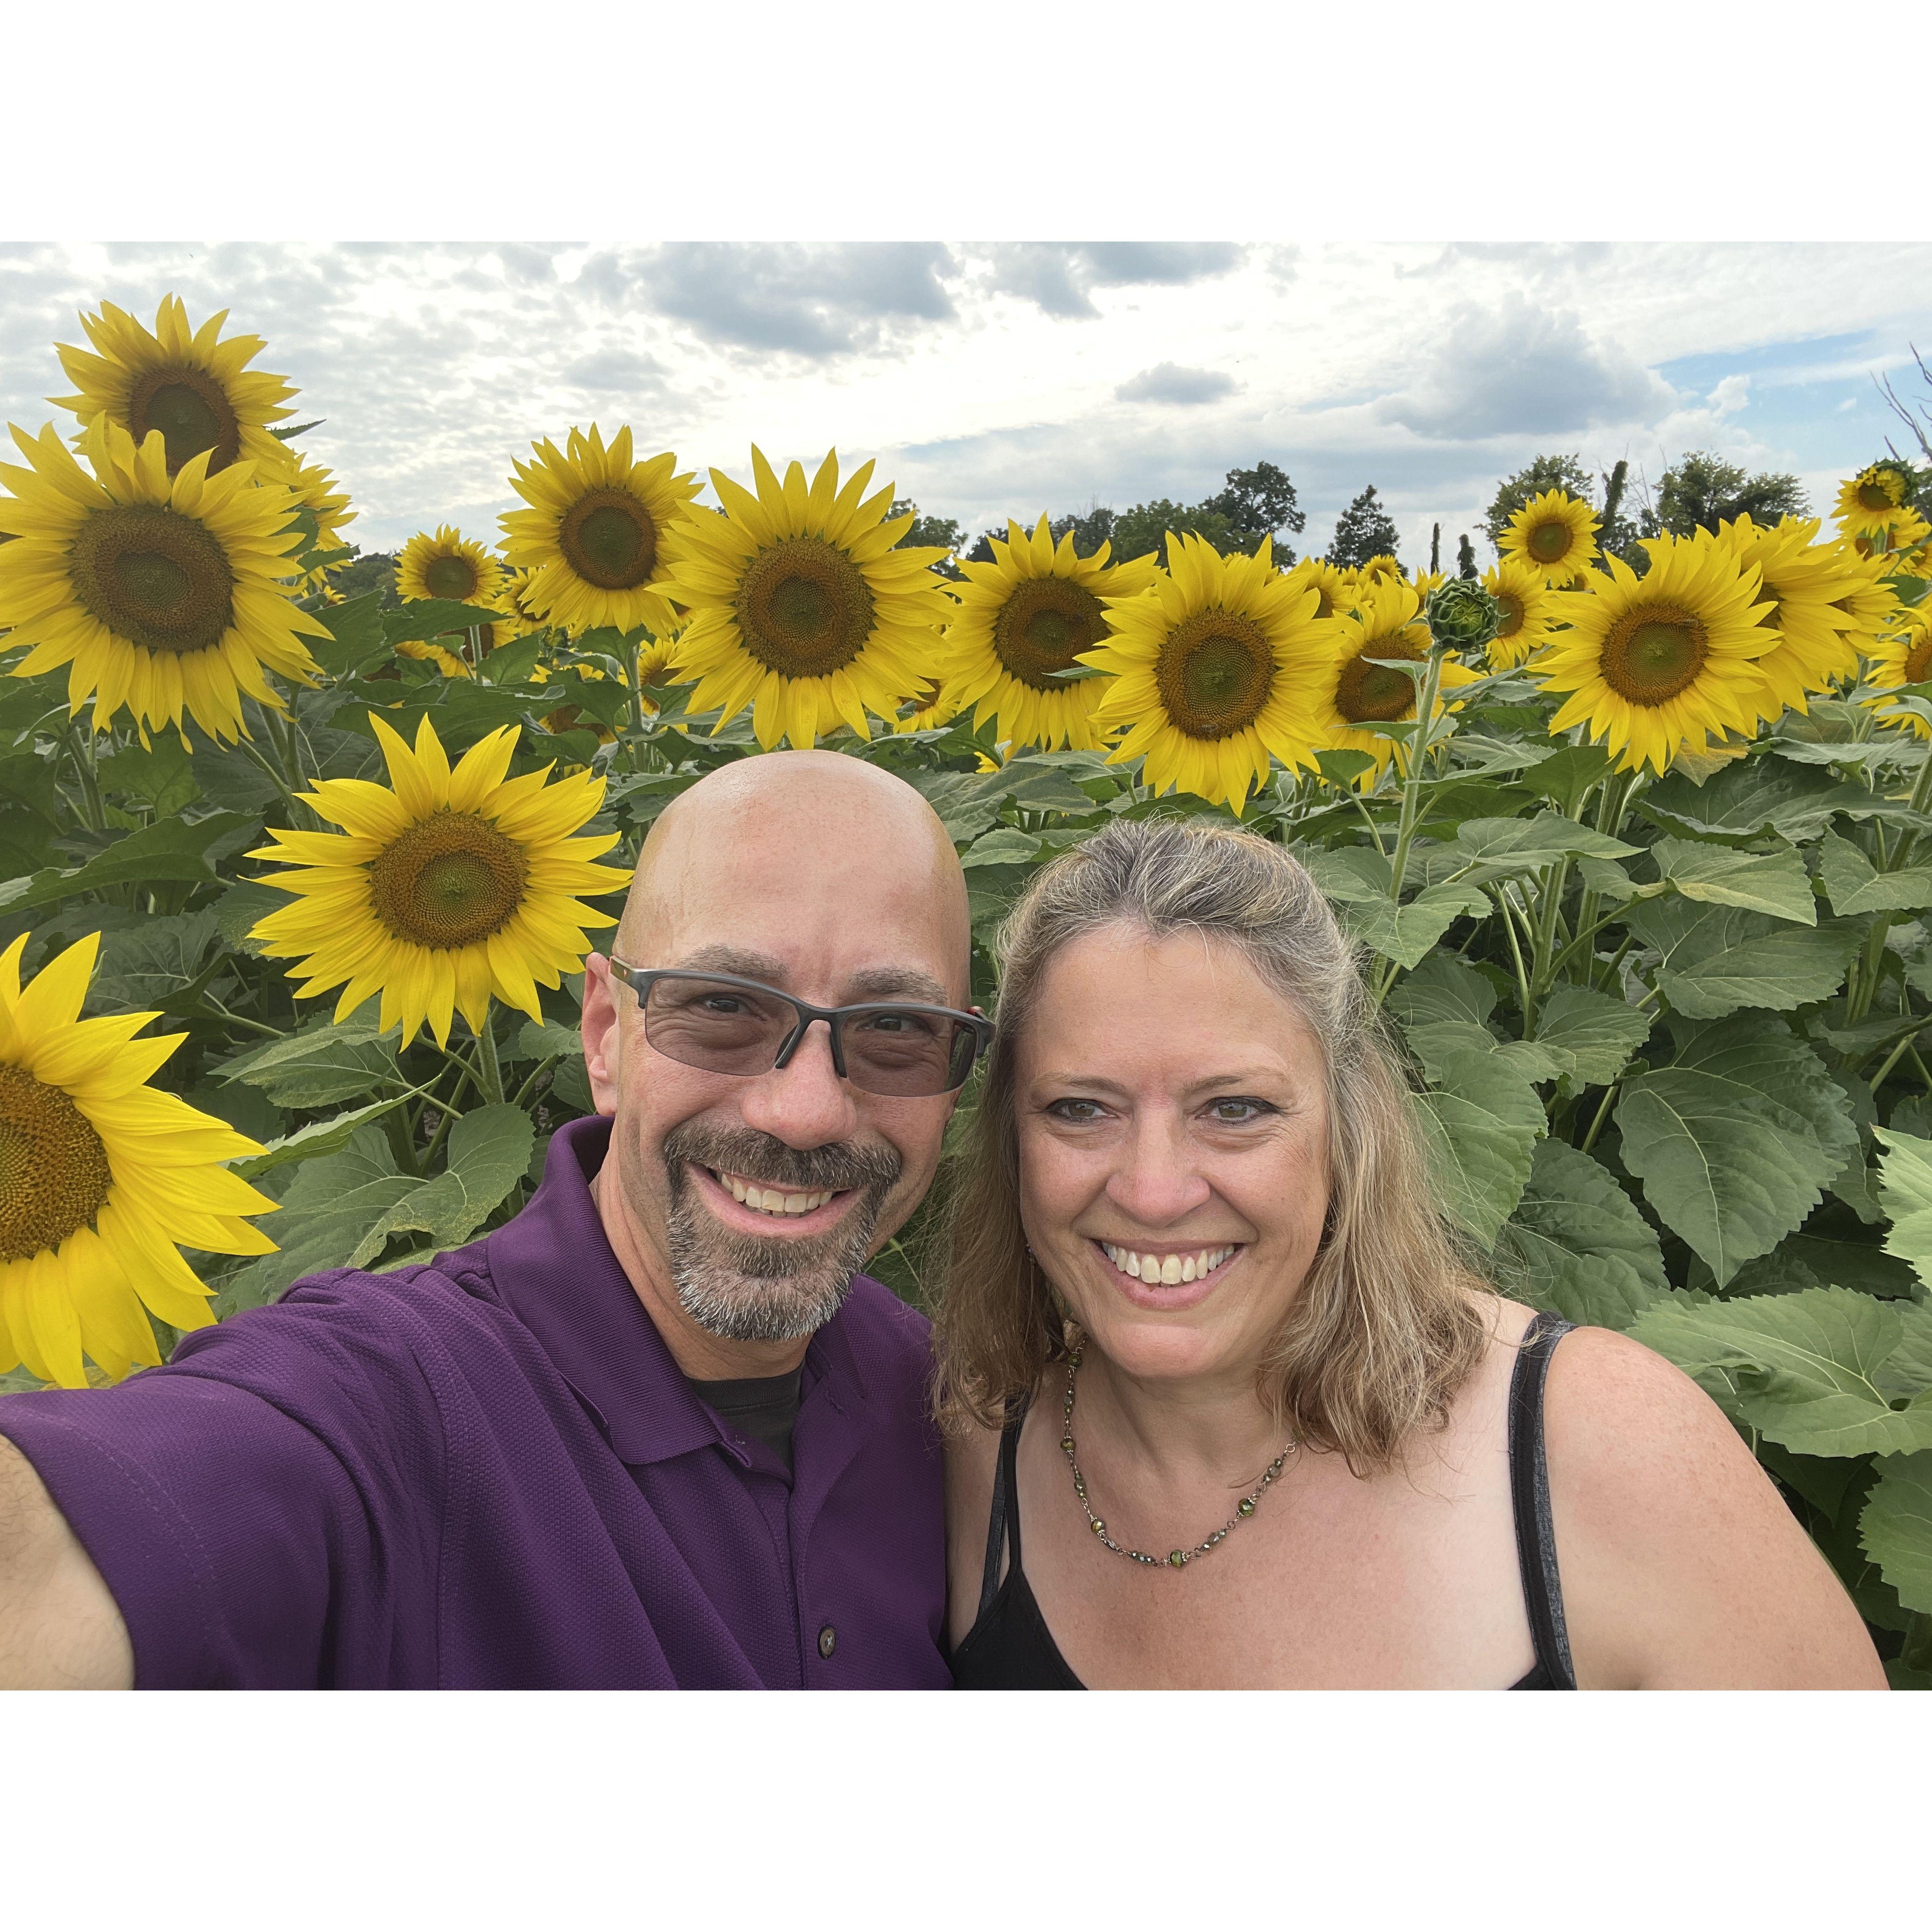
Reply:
x=1234, y=1112
x=1076, y=1110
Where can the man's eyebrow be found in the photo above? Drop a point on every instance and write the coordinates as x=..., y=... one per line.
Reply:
x=871, y=982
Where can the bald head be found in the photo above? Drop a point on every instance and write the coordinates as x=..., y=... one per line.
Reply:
x=811, y=839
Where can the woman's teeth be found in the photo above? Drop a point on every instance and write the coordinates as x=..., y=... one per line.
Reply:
x=1166, y=1269
x=771, y=1200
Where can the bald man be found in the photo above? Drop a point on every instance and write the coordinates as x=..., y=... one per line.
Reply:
x=658, y=1431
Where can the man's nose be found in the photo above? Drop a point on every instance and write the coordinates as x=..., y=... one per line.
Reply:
x=804, y=1102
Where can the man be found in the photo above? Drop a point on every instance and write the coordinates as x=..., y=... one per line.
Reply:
x=659, y=1430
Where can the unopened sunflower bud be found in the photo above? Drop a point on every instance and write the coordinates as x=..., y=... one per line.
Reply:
x=1462, y=615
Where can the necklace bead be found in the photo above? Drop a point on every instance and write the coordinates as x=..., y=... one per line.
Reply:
x=1176, y=1559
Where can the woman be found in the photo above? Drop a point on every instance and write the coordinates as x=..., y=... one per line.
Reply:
x=1203, y=1336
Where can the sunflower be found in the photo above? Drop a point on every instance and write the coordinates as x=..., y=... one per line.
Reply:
x=1026, y=615
x=594, y=538
x=197, y=389
x=443, y=888
x=450, y=661
x=1330, y=582
x=1354, y=692
x=316, y=491
x=1554, y=533
x=1896, y=541
x=1667, y=661
x=802, y=607
x=1871, y=501
x=103, y=1181
x=1531, y=609
x=1802, y=581
x=1902, y=656
x=163, y=594
x=447, y=564
x=513, y=599
x=1213, y=668
x=1384, y=569
x=930, y=706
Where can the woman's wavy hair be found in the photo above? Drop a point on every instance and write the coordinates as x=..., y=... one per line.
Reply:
x=1388, y=1322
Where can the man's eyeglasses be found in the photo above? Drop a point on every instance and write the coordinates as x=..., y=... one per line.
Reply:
x=729, y=1025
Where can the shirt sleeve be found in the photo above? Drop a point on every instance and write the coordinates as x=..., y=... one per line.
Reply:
x=261, y=1509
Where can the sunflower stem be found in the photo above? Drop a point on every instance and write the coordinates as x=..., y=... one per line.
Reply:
x=1602, y=1113
x=82, y=757
x=491, y=1081
x=1418, y=753
x=1525, y=998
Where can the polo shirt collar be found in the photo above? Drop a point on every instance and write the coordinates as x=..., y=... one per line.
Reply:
x=553, y=1264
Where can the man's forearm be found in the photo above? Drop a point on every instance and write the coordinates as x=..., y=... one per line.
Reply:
x=59, y=1627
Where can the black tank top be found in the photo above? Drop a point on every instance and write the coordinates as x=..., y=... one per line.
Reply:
x=1009, y=1647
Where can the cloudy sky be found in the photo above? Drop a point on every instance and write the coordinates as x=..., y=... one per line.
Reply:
x=1011, y=378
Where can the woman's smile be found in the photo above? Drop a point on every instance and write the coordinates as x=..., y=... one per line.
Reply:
x=1167, y=1277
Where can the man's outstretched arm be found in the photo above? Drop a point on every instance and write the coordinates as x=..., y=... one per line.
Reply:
x=59, y=1627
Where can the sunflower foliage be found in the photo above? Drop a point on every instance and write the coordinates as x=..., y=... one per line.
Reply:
x=295, y=890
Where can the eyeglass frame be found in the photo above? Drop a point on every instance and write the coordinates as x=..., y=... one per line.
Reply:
x=641, y=979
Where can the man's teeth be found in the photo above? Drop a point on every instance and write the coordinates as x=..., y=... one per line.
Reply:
x=1166, y=1269
x=772, y=1200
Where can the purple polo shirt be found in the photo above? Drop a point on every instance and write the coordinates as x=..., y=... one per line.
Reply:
x=488, y=1471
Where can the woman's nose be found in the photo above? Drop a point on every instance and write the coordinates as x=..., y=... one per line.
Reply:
x=1158, y=1180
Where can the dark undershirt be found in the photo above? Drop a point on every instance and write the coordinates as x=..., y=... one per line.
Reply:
x=764, y=1407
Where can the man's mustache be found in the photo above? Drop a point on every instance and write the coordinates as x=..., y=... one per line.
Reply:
x=763, y=1157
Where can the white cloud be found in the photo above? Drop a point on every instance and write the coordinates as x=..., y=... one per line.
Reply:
x=1169, y=383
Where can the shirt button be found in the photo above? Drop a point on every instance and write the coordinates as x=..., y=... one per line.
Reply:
x=828, y=1641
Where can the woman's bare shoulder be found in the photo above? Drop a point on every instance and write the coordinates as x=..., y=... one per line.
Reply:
x=1682, y=1563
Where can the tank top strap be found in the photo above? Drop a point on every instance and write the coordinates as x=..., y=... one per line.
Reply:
x=1003, y=1522
x=1529, y=1490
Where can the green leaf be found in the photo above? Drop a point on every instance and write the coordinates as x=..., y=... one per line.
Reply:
x=548, y=1042
x=1716, y=958
x=1567, y=774
x=1441, y=987
x=148, y=965
x=1854, y=886
x=512, y=663
x=1592, y=1035
x=1350, y=874
x=1748, y=799
x=161, y=776
x=489, y=1150
x=357, y=637
x=428, y=617
x=318, y=1138
x=1342, y=769
x=240, y=909
x=329, y=1204
x=1895, y=1527
x=1905, y=1191
x=1436, y=1042
x=1495, y=848
x=1574, y=1204
x=324, y=1063
x=1775, y=883
x=1735, y=1143
x=1482, y=1119
x=1005, y=847
x=170, y=849
x=1404, y=934
x=1799, y=1368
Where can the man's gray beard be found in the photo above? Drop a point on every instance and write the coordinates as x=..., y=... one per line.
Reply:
x=749, y=1288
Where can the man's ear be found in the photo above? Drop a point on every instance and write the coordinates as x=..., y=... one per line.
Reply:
x=603, y=1043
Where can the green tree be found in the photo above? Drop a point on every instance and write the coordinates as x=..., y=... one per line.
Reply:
x=1258, y=502
x=1364, y=529
x=1466, y=558
x=1700, y=491
x=1617, y=533
x=1541, y=473
x=927, y=531
x=370, y=570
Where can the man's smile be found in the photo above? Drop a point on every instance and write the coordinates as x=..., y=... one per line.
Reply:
x=744, y=1200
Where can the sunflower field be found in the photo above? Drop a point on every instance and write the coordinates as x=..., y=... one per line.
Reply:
x=295, y=888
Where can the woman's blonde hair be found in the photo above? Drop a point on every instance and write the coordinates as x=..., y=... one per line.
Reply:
x=1387, y=1323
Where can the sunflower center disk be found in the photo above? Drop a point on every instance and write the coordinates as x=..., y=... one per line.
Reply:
x=1511, y=608
x=1215, y=674
x=1550, y=543
x=192, y=412
x=1918, y=661
x=1875, y=496
x=452, y=576
x=1043, y=627
x=608, y=539
x=54, y=1175
x=803, y=608
x=154, y=577
x=1652, y=653
x=448, y=881
x=1373, y=694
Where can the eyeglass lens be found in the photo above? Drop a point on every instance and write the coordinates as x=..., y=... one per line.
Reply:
x=901, y=1050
